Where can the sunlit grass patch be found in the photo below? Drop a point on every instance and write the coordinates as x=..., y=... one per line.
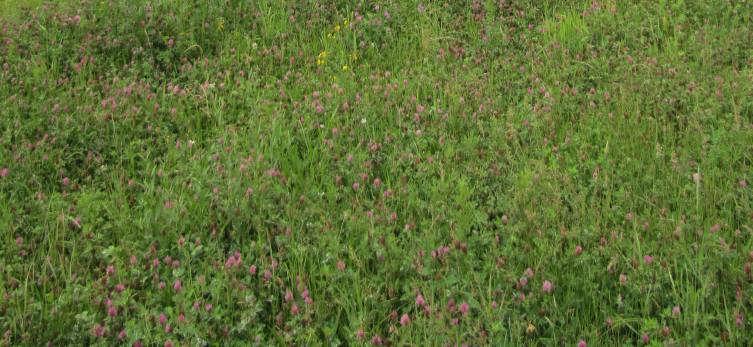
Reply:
x=569, y=30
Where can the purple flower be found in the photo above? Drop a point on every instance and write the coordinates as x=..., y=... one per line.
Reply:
x=420, y=300
x=464, y=308
x=547, y=287
x=405, y=319
x=288, y=296
x=98, y=330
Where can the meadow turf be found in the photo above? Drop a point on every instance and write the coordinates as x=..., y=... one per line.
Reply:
x=396, y=172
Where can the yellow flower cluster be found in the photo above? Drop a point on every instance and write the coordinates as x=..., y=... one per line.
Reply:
x=338, y=27
x=321, y=59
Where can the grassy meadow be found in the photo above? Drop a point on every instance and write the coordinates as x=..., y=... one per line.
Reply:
x=389, y=172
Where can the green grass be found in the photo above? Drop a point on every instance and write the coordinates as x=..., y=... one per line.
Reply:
x=12, y=9
x=299, y=172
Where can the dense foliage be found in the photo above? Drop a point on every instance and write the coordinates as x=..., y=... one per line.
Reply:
x=390, y=172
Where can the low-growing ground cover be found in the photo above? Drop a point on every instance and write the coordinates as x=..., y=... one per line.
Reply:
x=392, y=172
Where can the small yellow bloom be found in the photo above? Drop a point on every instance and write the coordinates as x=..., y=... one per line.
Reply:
x=337, y=28
x=345, y=23
x=345, y=68
x=321, y=59
x=530, y=329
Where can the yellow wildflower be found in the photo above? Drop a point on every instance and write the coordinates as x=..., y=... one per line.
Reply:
x=321, y=59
